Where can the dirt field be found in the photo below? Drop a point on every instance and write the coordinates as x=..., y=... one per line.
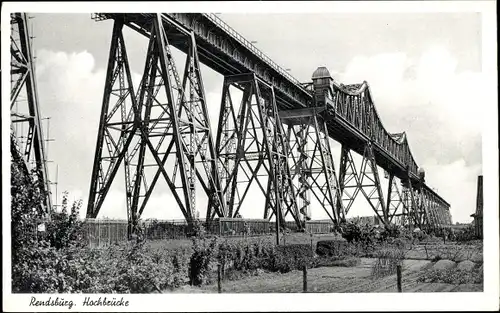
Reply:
x=335, y=280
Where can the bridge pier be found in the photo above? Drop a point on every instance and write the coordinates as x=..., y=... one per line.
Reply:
x=162, y=130
x=314, y=167
x=366, y=181
x=252, y=149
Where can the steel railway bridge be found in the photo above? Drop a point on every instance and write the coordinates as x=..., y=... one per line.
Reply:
x=276, y=138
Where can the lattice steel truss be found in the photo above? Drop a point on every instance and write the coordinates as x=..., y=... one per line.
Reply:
x=164, y=128
x=26, y=127
x=366, y=180
x=252, y=149
x=312, y=162
x=394, y=199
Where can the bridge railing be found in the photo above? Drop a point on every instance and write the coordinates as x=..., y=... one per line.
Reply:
x=219, y=22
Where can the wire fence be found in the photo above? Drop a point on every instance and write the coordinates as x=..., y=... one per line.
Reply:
x=101, y=233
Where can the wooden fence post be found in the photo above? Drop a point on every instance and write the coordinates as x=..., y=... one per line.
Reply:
x=304, y=272
x=219, y=283
x=398, y=272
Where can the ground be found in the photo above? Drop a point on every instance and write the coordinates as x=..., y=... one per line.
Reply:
x=334, y=280
x=422, y=256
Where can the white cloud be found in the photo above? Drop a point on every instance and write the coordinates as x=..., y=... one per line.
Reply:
x=439, y=108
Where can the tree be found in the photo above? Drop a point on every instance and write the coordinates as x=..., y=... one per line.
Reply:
x=26, y=206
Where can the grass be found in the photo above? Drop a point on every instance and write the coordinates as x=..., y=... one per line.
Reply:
x=340, y=262
x=387, y=260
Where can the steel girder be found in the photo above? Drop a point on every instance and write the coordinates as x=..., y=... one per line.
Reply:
x=353, y=104
x=252, y=149
x=25, y=107
x=163, y=130
x=313, y=167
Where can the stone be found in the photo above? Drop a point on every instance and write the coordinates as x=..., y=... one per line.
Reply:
x=444, y=265
x=466, y=265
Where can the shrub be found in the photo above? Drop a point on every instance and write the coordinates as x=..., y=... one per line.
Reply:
x=465, y=234
x=196, y=229
x=350, y=231
x=65, y=229
x=391, y=231
x=204, y=253
x=26, y=210
x=292, y=257
x=248, y=257
x=331, y=247
x=452, y=276
x=387, y=261
x=37, y=263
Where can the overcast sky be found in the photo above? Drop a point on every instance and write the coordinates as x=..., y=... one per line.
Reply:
x=424, y=70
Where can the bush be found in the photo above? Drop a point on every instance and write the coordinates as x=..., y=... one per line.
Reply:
x=26, y=210
x=350, y=231
x=387, y=261
x=343, y=249
x=247, y=257
x=293, y=257
x=331, y=248
x=392, y=231
x=204, y=253
x=465, y=234
x=63, y=229
x=452, y=276
x=39, y=261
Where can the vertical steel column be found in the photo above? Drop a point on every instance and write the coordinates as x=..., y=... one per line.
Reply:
x=301, y=168
x=25, y=106
x=118, y=134
x=181, y=123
